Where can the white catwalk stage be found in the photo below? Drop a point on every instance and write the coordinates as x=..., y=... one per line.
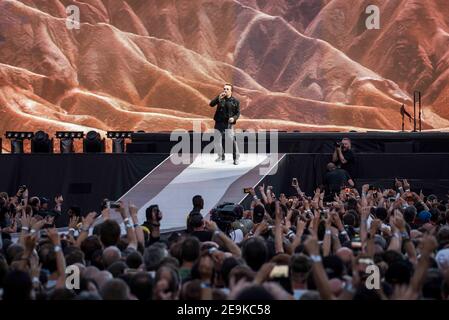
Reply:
x=172, y=186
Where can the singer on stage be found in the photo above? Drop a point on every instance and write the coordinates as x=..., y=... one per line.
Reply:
x=226, y=115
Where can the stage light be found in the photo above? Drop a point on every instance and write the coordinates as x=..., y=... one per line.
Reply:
x=93, y=142
x=119, y=134
x=66, y=140
x=118, y=140
x=41, y=143
x=17, y=138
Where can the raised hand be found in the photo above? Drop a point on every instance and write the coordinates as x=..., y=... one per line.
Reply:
x=399, y=221
x=30, y=242
x=429, y=244
x=365, y=213
x=25, y=220
x=261, y=228
x=132, y=209
x=312, y=246
x=300, y=226
x=88, y=220
x=406, y=184
x=264, y=272
x=211, y=225
x=37, y=224
x=73, y=222
x=397, y=183
x=295, y=183
x=365, y=188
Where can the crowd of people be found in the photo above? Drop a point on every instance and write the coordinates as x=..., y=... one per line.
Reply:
x=372, y=244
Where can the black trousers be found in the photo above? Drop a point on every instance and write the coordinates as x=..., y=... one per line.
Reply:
x=225, y=132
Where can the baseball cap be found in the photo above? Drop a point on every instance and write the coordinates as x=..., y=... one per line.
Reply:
x=424, y=216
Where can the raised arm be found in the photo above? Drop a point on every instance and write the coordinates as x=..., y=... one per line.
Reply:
x=87, y=222
x=60, y=260
x=137, y=227
x=429, y=244
x=130, y=233
x=214, y=101
x=319, y=274
x=228, y=243
x=279, y=248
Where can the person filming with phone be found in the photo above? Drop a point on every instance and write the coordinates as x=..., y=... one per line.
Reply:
x=153, y=223
x=343, y=156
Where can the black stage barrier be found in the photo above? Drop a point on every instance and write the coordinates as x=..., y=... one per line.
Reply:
x=83, y=179
x=320, y=142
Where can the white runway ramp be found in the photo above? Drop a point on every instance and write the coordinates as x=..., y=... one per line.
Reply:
x=205, y=177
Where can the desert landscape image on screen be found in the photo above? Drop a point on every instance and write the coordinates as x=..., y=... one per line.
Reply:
x=154, y=65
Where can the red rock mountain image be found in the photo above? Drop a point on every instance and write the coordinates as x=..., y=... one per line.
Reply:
x=154, y=65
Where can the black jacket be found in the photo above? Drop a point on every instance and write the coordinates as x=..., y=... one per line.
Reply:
x=226, y=108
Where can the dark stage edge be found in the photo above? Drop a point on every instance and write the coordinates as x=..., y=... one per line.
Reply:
x=317, y=142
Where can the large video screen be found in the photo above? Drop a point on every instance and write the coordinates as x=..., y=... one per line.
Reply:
x=154, y=65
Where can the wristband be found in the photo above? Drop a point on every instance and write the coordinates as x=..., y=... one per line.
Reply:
x=125, y=220
x=86, y=229
x=57, y=248
x=407, y=190
x=217, y=232
x=72, y=230
x=205, y=285
x=290, y=234
x=255, y=197
x=315, y=258
x=328, y=232
x=135, y=225
x=35, y=280
x=33, y=231
x=26, y=228
x=401, y=189
x=128, y=225
x=344, y=232
x=405, y=235
x=212, y=250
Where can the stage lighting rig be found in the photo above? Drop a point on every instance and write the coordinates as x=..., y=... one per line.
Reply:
x=17, y=138
x=93, y=143
x=66, y=140
x=41, y=143
x=118, y=140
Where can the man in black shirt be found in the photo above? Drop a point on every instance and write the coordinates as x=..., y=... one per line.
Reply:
x=226, y=115
x=196, y=227
x=343, y=156
x=335, y=179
